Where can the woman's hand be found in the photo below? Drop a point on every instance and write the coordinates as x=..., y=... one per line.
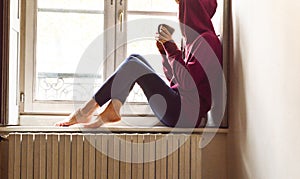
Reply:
x=163, y=36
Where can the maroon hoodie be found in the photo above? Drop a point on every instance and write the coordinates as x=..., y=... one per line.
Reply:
x=185, y=68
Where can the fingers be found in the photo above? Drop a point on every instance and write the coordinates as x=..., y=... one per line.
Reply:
x=164, y=35
x=165, y=31
x=160, y=38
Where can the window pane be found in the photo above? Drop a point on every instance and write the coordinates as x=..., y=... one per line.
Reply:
x=72, y=4
x=218, y=18
x=151, y=53
x=153, y=5
x=138, y=45
x=136, y=23
x=62, y=38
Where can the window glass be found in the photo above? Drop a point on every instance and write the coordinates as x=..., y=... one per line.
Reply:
x=143, y=11
x=72, y=4
x=62, y=37
x=152, y=5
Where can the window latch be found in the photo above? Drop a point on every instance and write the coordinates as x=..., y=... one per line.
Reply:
x=121, y=19
x=22, y=97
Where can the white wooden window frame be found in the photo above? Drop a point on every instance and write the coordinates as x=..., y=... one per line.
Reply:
x=10, y=62
x=30, y=105
x=112, y=10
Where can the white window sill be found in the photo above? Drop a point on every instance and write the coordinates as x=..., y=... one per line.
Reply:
x=132, y=120
x=50, y=120
x=138, y=124
x=113, y=129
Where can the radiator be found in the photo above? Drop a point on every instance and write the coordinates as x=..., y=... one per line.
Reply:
x=104, y=156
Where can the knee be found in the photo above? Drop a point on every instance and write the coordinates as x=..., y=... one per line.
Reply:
x=132, y=57
x=137, y=60
x=136, y=57
x=132, y=62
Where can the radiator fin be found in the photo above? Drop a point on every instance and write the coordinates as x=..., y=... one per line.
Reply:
x=104, y=156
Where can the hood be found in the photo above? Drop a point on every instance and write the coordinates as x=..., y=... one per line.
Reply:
x=195, y=17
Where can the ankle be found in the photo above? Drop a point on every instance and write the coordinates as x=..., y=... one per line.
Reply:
x=82, y=113
x=116, y=105
x=89, y=108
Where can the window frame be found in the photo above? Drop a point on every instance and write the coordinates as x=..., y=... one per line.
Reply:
x=112, y=8
x=10, y=60
x=112, y=11
x=63, y=107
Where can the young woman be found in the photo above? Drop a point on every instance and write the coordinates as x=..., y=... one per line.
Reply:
x=188, y=98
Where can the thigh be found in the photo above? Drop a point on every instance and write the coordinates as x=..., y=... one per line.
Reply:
x=163, y=100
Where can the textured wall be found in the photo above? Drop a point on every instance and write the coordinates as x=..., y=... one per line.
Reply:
x=265, y=90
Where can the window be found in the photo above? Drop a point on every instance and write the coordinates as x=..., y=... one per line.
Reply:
x=58, y=32
x=10, y=60
x=57, y=35
x=61, y=31
x=64, y=31
x=137, y=12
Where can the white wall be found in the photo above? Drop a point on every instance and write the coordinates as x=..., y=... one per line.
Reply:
x=264, y=116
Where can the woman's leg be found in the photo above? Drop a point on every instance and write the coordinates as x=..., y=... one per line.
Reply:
x=164, y=101
x=119, y=84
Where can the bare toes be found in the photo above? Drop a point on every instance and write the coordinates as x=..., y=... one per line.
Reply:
x=60, y=124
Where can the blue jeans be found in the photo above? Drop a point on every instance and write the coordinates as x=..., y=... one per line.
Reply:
x=163, y=100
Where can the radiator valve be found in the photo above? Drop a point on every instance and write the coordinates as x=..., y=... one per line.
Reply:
x=3, y=138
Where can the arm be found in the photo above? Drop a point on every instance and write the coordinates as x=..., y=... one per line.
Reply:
x=166, y=66
x=179, y=67
x=190, y=73
x=173, y=54
x=169, y=51
x=203, y=59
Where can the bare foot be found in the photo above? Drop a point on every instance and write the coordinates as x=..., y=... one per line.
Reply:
x=110, y=114
x=74, y=118
x=82, y=115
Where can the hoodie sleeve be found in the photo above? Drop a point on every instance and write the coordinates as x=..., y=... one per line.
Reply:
x=166, y=66
x=179, y=68
x=188, y=75
x=173, y=53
